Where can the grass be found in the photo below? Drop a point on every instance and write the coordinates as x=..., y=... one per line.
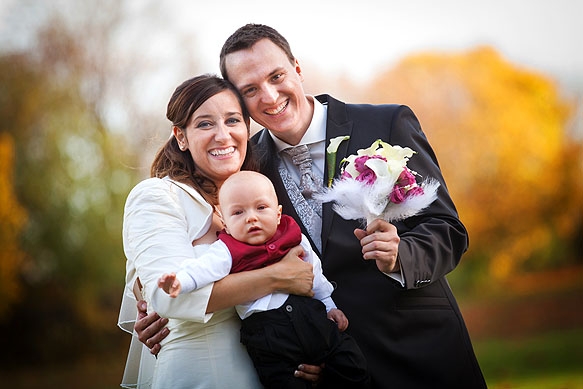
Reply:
x=552, y=360
x=524, y=339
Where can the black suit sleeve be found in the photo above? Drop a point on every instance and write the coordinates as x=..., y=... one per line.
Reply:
x=433, y=242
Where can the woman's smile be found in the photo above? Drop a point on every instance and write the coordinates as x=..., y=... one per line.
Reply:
x=224, y=152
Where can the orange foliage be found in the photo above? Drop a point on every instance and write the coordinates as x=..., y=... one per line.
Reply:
x=500, y=134
x=12, y=219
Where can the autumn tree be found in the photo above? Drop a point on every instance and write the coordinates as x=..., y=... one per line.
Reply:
x=78, y=129
x=12, y=220
x=501, y=135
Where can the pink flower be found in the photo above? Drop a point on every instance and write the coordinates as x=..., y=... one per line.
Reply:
x=397, y=195
x=368, y=176
x=415, y=191
x=406, y=178
x=359, y=163
x=345, y=175
x=404, y=188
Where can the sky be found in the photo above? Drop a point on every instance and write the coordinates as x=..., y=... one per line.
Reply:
x=356, y=39
x=359, y=37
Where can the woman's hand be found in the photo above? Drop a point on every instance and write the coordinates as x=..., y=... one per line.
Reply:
x=380, y=242
x=293, y=275
x=150, y=328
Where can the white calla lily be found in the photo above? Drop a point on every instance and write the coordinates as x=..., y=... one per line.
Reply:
x=395, y=153
x=331, y=151
x=335, y=142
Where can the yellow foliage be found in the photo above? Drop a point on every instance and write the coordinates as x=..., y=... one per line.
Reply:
x=500, y=133
x=12, y=219
x=507, y=262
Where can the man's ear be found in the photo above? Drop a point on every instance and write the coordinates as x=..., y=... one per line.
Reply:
x=298, y=70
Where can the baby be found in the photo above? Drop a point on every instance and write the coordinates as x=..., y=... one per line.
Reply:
x=279, y=330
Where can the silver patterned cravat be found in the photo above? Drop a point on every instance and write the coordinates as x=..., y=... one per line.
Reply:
x=300, y=156
x=309, y=211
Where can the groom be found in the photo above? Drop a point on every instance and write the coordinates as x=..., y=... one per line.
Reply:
x=390, y=279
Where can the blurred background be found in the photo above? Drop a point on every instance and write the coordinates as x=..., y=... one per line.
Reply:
x=497, y=86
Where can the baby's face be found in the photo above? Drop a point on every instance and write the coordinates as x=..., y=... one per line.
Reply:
x=251, y=214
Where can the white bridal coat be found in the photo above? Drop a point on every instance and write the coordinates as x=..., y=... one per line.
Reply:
x=161, y=220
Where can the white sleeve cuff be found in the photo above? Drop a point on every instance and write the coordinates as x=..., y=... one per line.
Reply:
x=187, y=283
x=329, y=303
x=397, y=277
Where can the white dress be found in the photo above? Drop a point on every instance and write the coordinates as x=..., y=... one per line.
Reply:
x=161, y=219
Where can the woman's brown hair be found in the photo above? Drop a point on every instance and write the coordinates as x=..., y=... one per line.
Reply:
x=178, y=165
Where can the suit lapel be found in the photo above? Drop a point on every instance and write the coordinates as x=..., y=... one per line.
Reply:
x=337, y=124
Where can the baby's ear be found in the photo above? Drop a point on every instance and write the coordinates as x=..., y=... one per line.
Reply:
x=220, y=214
x=279, y=209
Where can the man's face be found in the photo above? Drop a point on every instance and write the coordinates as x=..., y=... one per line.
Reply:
x=272, y=89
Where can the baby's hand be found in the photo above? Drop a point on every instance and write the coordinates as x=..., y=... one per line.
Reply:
x=337, y=316
x=170, y=284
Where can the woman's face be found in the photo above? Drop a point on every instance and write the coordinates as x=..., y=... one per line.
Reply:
x=216, y=137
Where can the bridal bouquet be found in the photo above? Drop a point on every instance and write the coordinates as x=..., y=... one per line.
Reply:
x=376, y=183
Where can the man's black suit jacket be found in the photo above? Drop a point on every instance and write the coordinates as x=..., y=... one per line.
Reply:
x=412, y=336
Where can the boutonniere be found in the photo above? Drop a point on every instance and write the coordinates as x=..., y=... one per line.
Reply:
x=331, y=151
x=376, y=183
